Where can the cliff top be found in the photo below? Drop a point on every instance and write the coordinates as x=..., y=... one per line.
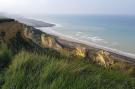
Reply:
x=2, y=20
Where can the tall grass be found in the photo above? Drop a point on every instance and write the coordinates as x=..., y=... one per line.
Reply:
x=5, y=59
x=5, y=55
x=33, y=71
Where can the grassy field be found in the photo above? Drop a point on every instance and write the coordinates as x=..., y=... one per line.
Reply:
x=26, y=70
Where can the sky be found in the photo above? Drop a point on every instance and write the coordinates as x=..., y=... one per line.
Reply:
x=111, y=7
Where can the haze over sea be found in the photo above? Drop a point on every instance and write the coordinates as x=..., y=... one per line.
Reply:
x=116, y=32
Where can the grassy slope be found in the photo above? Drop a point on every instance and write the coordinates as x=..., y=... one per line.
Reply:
x=34, y=71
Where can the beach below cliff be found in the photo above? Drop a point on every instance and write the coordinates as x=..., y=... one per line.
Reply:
x=50, y=31
x=67, y=39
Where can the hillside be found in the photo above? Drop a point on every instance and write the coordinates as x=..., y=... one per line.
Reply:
x=30, y=59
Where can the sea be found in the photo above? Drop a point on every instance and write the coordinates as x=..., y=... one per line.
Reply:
x=115, y=32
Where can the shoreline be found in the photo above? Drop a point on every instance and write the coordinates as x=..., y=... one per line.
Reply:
x=31, y=21
x=127, y=56
x=68, y=38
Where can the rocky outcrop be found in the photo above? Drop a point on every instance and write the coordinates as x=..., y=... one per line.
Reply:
x=8, y=30
x=103, y=58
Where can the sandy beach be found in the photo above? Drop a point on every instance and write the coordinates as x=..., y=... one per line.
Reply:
x=124, y=56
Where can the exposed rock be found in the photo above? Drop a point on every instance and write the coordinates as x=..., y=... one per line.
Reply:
x=103, y=58
x=80, y=51
x=47, y=41
x=28, y=33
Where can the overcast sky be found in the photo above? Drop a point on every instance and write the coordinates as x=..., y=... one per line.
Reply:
x=117, y=7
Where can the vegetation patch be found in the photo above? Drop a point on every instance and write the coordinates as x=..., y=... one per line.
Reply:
x=45, y=71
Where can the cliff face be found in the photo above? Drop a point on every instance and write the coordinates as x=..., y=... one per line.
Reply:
x=9, y=30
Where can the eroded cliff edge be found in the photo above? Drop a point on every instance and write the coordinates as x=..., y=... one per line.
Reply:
x=17, y=34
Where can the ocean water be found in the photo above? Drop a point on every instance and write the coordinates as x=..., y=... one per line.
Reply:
x=117, y=32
